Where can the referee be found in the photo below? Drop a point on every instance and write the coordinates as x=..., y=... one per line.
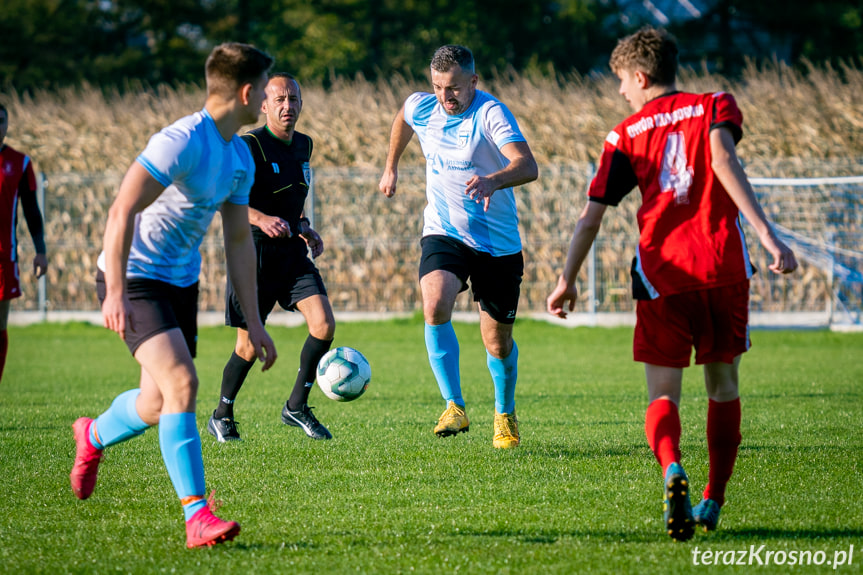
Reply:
x=286, y=274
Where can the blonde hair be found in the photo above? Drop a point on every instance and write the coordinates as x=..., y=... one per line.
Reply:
x=652, y=51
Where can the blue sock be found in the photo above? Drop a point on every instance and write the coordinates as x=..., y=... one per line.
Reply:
x=504, y=373
x=181, y=451
x=119, y=422
x=442, y=346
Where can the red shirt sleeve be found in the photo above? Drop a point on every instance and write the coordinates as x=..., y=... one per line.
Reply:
x=726, y=114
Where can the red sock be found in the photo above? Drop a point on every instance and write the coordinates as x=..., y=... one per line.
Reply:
x=723, y=438
x=662, y=427
x=4, y=345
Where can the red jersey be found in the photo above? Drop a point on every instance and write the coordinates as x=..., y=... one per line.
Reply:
x=16, y=177
x=691, y=236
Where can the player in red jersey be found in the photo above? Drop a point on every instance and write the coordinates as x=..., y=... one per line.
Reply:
x=17, y=183
x=691, y=271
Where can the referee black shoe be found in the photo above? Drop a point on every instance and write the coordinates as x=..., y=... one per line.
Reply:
x=224, y=429
x=306, y=420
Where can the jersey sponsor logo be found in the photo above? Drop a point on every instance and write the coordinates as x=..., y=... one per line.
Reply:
x=639, y=127
x=678, y=115
x=463, y=137
x=275, y=168
x=459, y=165
x=436, y=164
x=664, y=119
x=440, y=164
x=307, y=173
x=510, y=314
x=8, y=168
x=612, y=138
x=239, y=177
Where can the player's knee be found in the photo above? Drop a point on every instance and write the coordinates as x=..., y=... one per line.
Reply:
x=721, y=387
x=150, y=413
x=149, y=407
x=499, y=348
x=192, y=385
x=725, y=393
x=435, y=313
x=185, y=388
x=245, y=350
x=323, y=327
x=325, y=331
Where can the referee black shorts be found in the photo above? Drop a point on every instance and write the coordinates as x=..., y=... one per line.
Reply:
x=494, y=280
x=286, y=275
x=157, y=307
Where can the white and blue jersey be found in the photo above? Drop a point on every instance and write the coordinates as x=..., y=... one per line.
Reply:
x=457, y=148
x=200, y=171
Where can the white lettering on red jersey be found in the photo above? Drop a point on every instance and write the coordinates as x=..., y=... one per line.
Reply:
x=691, y=236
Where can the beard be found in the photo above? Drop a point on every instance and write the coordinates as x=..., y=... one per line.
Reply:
x=456, y=109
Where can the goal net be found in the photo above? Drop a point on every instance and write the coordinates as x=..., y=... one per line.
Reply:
x=821, y=219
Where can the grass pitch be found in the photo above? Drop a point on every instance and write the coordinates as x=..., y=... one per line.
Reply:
x=582, y=493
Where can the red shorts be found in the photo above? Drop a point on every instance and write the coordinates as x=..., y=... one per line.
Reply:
x=715, y=321
x=10, y=287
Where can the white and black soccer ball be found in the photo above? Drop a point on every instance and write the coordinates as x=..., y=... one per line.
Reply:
x=344, y=374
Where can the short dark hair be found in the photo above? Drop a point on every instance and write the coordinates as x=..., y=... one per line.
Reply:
x=652, y=51
x=451, y=55
x=232, y=64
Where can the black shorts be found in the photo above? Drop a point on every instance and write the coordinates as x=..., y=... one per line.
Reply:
x=494, y=280
x=158, y=307
x=285, y=275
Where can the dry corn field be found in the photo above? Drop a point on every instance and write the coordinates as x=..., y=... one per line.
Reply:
x=796, y=124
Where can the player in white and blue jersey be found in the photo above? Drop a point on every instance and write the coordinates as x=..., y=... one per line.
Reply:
x=475, y=154
x=147, y=279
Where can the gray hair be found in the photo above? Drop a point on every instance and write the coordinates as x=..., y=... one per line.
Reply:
x=451, y=55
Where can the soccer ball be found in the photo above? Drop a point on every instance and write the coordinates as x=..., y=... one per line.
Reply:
x=344, y=374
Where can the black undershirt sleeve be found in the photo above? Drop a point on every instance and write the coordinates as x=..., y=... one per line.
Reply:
x=32, y=214
x=619, y=181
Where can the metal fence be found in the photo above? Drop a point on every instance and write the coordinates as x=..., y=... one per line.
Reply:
x=372, y=243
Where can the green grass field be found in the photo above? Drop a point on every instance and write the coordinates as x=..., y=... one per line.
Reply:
x=581, y=494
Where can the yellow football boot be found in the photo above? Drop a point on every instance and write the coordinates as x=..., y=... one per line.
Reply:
x=452, y=421
x=505, y=430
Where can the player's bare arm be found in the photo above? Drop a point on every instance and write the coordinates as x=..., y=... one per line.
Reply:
x=522, y=169
x=730, y=173
x=240, y=256
x=273, y=226
x=137, y=191
x=564, y=295
x=400, y=135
